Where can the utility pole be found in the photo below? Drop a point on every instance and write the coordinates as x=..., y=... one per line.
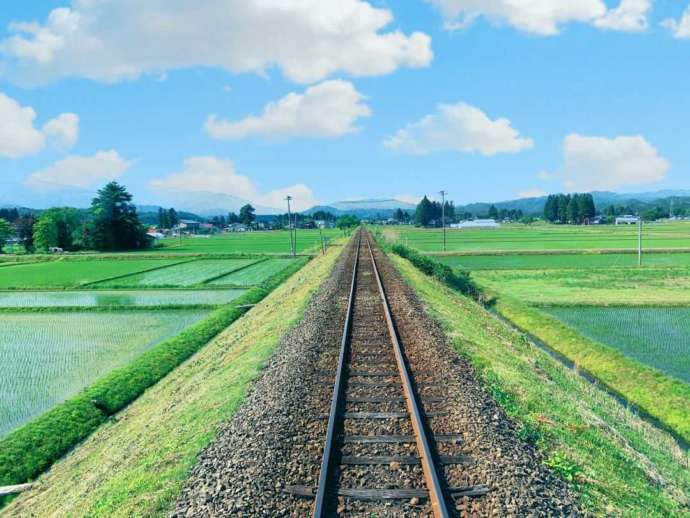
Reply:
x=443, y=216
x=639, y=240
x=292, y=243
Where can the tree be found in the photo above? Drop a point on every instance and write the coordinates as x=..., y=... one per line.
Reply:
x=347, y=222
x=424, y=213
x=232, y=218
x=60, y=227
x=4, y=233
x=247, y=216
x=573, y=214
x=172, y=217
x=563, y=202
x=493, y=213
x=25, y=231
x=115, y=224
x=398, y=215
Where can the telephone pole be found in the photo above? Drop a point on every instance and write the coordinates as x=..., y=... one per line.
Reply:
x=292, y=243
x=443, y=216
x=639, y=240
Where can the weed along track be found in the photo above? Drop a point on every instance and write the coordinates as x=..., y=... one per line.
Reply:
x=379, y=448
x=365, y=411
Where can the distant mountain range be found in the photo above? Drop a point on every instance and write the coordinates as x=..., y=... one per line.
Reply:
x=206, y=205
x=602, y=199
x=372, y=208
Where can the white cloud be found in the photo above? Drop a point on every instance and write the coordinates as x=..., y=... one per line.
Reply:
x=544, y=17
x=63, y=130
x=209, y=174
x=458, y=127
x=80, y=171
x=309, y=40
x=408, y=198
x=532, y=193
x=680, y=29
x=19, y=137
x=598, y=163
x=329, y=109
x=629, y=16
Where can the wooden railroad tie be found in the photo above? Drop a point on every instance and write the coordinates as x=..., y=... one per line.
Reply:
x=388, y=494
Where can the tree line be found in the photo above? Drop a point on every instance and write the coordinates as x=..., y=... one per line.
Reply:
x=429, y=212
x=575, y=209
x=110, y=224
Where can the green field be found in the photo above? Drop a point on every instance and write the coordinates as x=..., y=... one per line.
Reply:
x=257, y=242
x=560, y=261
x=47, y=357
x=543, y=237
x=658, y=337
x=591, y=286
x=185, y=274
x=73, y=273
x=108, y=298
x=253, y=274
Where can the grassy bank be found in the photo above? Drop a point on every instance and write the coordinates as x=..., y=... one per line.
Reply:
x=29, y=450
x=617, y=463
x=136, y=464
x=661, y=396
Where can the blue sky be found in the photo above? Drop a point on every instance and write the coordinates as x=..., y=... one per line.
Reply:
x=588, y=96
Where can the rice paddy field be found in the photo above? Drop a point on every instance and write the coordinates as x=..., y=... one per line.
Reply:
x=561, y=261
x=185, y=274
x=68, y=320
x=256, y=242
x=658, y=337
x=66, y=273
x=253, y=274
x=541, y=237
x=46, y=357
x=114, y=298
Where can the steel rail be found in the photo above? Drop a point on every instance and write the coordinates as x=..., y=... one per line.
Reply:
x=320, y=503
x=436, y=498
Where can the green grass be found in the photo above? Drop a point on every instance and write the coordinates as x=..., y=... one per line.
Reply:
x=46, y=358
x=560, y=261
x=543, y=237
x=116, y=298
x=72, y=273
x=187, y=274
x=253, y=274
x=618, y=464
x=591, y=286
x=136, y=464
x=658, y=337
x=261, y=242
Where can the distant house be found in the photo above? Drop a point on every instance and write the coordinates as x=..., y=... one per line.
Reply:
x=627, y=220
x=322, y=223
x=155, y=234
x=55, y=250
x=237, y=227
x=477, y=223
x=188, y=225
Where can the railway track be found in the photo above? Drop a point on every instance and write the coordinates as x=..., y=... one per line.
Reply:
x=380, y=450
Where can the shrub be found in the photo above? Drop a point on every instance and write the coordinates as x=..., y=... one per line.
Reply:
x=459, y=280
x=28, y=451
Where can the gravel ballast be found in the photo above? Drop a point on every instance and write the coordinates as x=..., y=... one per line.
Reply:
x=275, y=439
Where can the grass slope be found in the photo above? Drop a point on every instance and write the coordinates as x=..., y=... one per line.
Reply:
x=617, y=463
x=136, y=465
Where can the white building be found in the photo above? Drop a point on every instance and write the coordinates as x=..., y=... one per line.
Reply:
x=477, y=223
x=627, y=220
